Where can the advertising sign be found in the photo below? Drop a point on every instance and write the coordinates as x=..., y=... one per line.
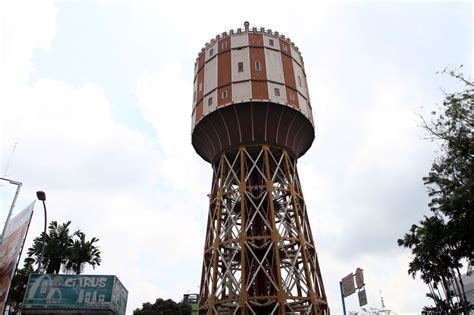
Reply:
x=49, y=291
x=359, y=276
x=119, y=298
x=10, y=249
x=348, y=286
x=362, y=297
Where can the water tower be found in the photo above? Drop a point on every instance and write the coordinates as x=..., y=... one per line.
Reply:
x=252, y=120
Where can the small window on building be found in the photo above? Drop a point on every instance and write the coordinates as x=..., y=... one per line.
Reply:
x=211, y=52
x=257, y=65
x=292, y=96
x=277, y=91
x=271, y=43
x=240, y=66
x=224, y=94
x=285, y=48
x=299, y=81
x=209, y=101
x=224, y=45
x=200, y=87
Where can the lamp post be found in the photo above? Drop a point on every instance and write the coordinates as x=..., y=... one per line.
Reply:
x=42, y=196
x=18, y=184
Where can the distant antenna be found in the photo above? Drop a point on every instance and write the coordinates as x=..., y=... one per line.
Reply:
x=381, y=299
x=5, y=174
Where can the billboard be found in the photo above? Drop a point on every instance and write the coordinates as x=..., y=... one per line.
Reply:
x=347, y=284
x=80, y=292
x=10, y=249
x=362, y=297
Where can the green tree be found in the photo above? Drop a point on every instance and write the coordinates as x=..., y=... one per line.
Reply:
x=71, y=251
x=451, y=179
x=441, y=242
x=433, y=259
x=82, y=252
x=164, y=307
x=58, y=242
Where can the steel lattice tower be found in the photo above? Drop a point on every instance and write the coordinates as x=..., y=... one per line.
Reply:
x=251, y=120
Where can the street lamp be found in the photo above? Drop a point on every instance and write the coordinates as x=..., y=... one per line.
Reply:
x=18, y=187
x=42, y=196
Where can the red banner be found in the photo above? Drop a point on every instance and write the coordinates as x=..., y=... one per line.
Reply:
x=10, y=249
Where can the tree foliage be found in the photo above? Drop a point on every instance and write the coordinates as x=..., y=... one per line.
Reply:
x=82, y=252
x=442, y=241
x=451, y=179
x=163, y=307
x=65, y=249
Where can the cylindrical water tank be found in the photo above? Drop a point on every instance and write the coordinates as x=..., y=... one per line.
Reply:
x=250, y=88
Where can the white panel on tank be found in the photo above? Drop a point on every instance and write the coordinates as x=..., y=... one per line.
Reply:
x=194, y=93
x=267, y=43
x=274, y=65
x=239, y=40
x=303, y=105
x=193, y=120
x=211, y=51
x=241, y=92
x=210, y=76
x=210, y=102
x=240, y=55
x=274, y=89
x=299, y=79
x=295, y=55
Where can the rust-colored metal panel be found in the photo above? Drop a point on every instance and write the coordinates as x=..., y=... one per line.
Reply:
x=224, y=95
x=199, y=111
x=201, y=60
x=260, y=90
x=292, y=97
x=224, y=70
x=256, y=40
x=200, y=85
x=285, y=47
x=224, y=44
x=288, y=71
x=258, y=69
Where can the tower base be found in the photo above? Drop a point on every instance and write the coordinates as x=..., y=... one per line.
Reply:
x=259, y=253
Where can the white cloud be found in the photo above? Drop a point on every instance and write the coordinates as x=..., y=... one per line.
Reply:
x=21, y=32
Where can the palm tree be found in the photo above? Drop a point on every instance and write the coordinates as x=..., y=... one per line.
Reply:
x=435, y=258
x=58, y=241
x=70, y=250
x=82, y=252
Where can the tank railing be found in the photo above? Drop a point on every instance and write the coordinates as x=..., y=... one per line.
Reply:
x=250, y=30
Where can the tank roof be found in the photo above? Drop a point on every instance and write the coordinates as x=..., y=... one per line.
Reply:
x=250, y=30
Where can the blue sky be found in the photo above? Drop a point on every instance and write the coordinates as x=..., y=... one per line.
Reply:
x=98, y=96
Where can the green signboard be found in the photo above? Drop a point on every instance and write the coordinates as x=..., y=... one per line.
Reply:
x=47, y=291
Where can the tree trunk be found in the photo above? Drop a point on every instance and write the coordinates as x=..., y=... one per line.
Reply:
x=464, y=298
x=447, y=292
